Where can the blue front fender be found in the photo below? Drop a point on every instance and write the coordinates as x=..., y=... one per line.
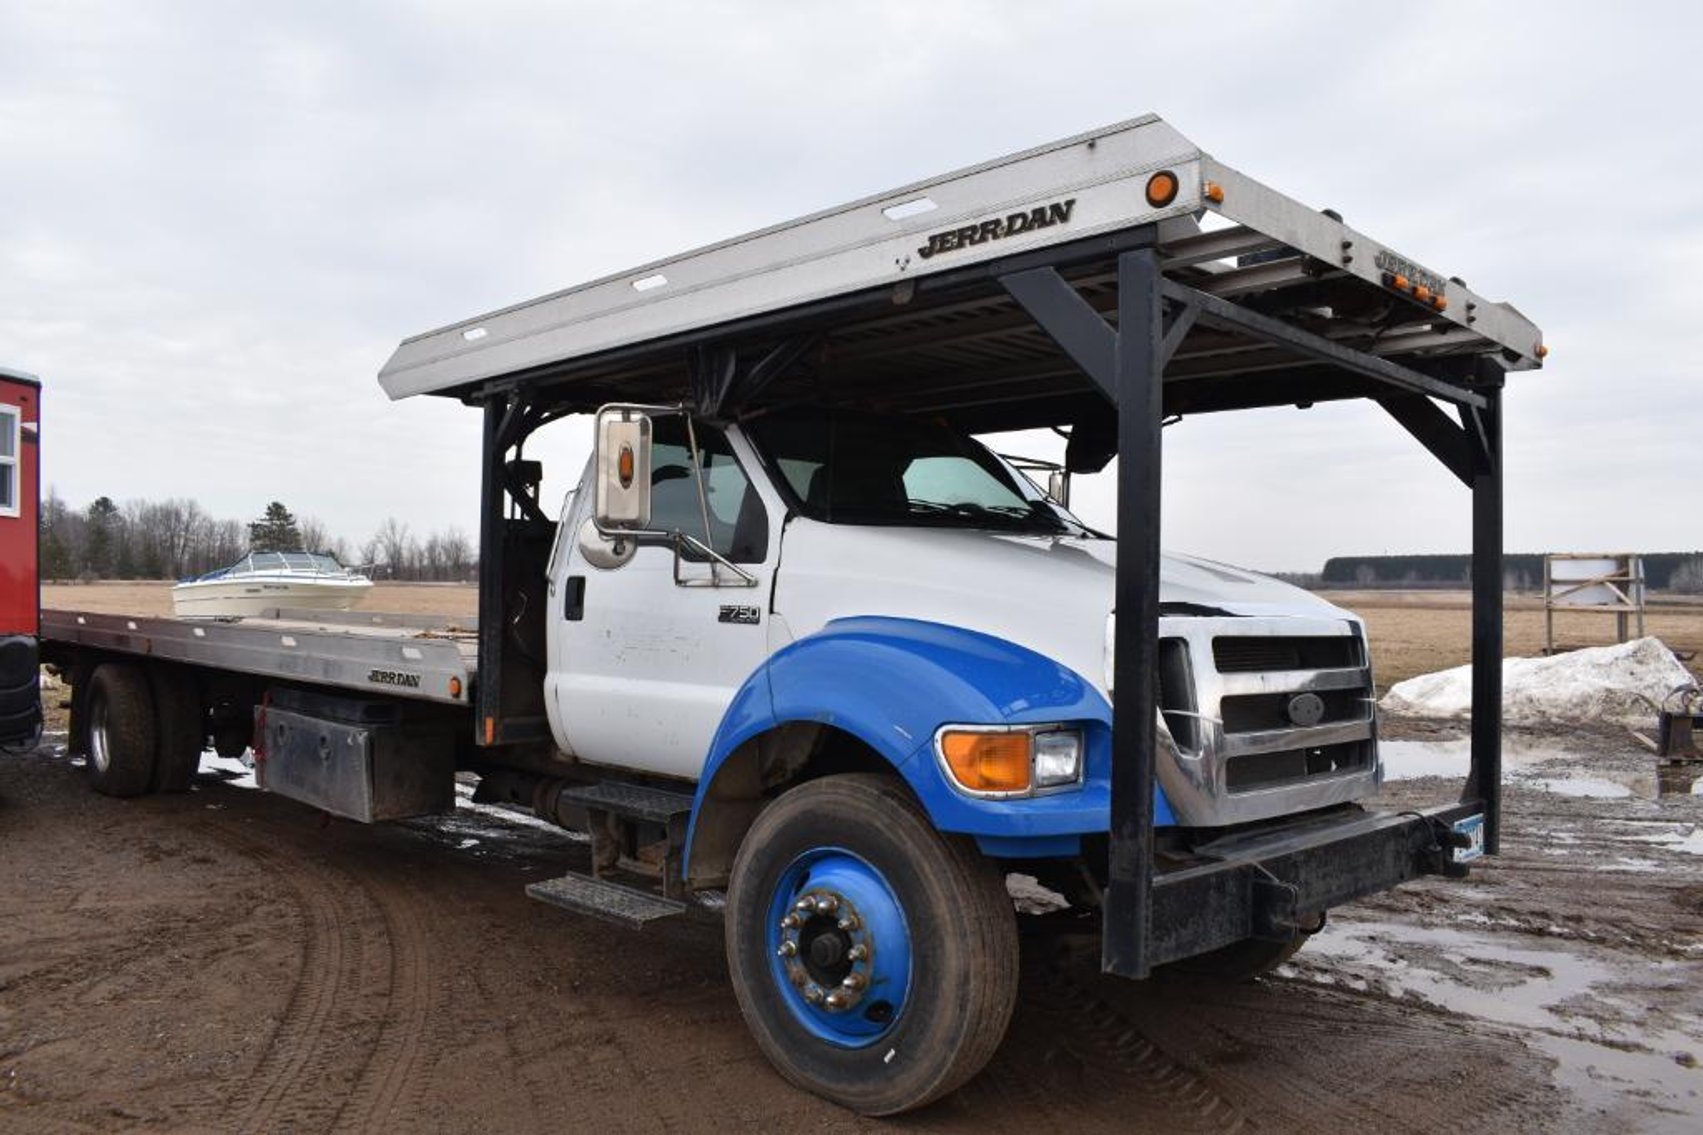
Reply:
x=892, y=683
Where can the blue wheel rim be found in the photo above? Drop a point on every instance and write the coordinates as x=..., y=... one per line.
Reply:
x=839, y=948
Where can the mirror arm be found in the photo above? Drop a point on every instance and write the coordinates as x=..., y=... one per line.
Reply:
x=746, y=579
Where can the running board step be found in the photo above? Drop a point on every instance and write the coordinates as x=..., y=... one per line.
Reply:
x=633, y=801
x=609, y=901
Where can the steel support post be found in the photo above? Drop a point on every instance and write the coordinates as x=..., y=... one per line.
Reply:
x=1484, y=781
x=492, y=514
x=1125, y=945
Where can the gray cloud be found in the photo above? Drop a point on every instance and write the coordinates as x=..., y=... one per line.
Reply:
x=216, y=220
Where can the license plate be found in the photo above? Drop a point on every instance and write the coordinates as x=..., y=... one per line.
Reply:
x=1473, y=828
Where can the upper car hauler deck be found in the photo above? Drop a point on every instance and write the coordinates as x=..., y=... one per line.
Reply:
x=20, y=686
x=843, y=733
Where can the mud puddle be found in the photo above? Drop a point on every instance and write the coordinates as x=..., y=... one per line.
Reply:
x=1609, y=1023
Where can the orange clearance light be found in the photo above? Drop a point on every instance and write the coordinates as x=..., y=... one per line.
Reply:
x=1422, y=294
x=1399, y=283
x=455, y=687
x=490, y=731
x=624, y=466
x=1213, y=192
x=1541, y=351
x=1441, y=303
x=987, y=762
x=1162, y=189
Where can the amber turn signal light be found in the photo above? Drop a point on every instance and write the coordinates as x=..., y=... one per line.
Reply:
x=987, y=762
x=1162, y=189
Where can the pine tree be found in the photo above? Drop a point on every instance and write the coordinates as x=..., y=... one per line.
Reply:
x=275, y=531
x=97, y=553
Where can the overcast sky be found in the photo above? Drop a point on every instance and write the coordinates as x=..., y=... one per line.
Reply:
x=217, y=220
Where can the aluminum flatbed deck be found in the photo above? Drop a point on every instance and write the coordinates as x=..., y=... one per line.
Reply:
x=423, y=658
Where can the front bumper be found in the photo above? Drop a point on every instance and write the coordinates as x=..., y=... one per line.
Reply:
x=1270, y=884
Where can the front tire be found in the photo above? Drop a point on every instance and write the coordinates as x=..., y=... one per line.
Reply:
x=874, y=959
x=120, y=730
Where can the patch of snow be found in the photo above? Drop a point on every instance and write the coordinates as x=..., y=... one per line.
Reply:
x=238, y=771
x=1690, y=841
x=1584, y=786
x=1603, y=683
x=1030, y=897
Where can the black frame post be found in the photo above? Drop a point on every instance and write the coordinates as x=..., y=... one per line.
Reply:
x=487, y=716
x=1126, y=936
x=1484, y=781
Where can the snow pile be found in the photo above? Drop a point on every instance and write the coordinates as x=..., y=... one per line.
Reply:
x=1603, y=683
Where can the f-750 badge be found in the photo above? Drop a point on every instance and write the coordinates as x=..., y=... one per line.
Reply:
x=748, y=616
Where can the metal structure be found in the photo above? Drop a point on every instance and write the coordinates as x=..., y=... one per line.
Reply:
x=20, y=490
x=1105, y=283
x=1599, y=583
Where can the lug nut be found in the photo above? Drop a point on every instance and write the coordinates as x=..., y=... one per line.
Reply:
x=788, y=948
x=813, y=994
x=835, y=1001
x=849, y=922
x=858, y=952
x=855, y=981
x=827, y=904
x=804, y=905
x=790, y=922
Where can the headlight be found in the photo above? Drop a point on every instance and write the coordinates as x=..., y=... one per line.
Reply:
x=1058, y=758
x=996, y=761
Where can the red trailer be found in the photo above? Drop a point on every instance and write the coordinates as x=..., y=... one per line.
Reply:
x=20, y=591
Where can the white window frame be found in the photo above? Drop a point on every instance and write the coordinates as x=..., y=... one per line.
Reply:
x=16, y=461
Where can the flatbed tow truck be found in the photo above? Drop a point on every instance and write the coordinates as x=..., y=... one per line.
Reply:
x=799, y=637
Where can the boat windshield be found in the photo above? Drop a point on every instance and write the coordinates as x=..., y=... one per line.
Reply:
x=282, y=563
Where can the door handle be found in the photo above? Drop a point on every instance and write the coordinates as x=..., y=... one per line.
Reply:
x=573, y=599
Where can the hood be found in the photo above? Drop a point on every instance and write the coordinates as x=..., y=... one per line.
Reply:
x=1049, y=594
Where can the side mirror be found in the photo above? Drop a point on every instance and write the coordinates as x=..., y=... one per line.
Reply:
x=623, y=469
x=1058, y=487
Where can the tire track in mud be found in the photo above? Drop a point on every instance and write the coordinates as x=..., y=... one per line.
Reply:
x=329, y=973
x=359, y=1011
x=389, y=1077
x=1057, y=1006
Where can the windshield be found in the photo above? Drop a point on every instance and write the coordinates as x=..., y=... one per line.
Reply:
x=847, y=468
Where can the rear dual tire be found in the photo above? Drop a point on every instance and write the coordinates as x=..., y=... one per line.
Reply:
x=142, y=729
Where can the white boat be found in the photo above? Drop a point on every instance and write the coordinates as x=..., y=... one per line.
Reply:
x=260, y=580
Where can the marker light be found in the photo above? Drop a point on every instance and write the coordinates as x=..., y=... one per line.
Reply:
x=1162, y=189
x=1011, y=762
x=1213, y=192
x=455, y=687
x=624, y=466
x=1422, y=294
x=987, y=762
x=1541, y=351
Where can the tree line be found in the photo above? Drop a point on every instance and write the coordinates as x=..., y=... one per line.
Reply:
x=1521, y=571
x=178, y=539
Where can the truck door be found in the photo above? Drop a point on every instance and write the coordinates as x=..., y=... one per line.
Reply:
x=648, y=655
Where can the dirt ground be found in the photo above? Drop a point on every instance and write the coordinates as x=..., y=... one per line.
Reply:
x=226, y=961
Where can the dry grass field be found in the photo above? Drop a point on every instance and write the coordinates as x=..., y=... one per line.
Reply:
x=1418, y=632
x=1412, y=632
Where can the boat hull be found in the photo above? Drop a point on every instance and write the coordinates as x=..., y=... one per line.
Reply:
x=249, y=596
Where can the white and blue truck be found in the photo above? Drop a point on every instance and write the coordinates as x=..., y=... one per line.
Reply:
x=801, y=640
